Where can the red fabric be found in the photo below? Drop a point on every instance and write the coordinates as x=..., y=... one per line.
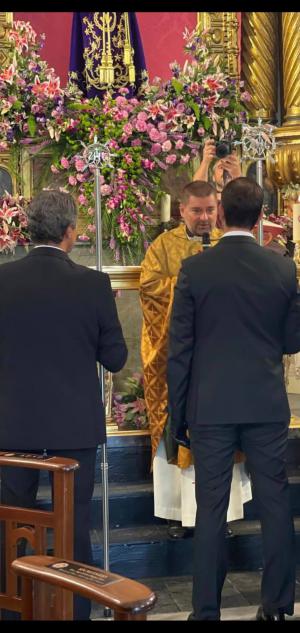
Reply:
x=161, y=34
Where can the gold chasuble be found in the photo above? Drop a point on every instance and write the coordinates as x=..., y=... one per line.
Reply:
x=159, y=273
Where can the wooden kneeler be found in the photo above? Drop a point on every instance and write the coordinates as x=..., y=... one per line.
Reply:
x=130, y=600
x=31, y=524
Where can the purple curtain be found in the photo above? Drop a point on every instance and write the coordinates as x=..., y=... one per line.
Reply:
x=86, y=58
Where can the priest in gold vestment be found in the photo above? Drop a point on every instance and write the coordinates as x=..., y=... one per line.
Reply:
x=174, y=490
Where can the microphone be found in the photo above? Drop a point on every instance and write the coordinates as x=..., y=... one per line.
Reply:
x=205, y=240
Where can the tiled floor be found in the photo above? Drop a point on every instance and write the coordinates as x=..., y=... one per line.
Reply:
x=240, y=597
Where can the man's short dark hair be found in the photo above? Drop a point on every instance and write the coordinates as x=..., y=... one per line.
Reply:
x=242, y=200
x=49, y=215
x=199, y=189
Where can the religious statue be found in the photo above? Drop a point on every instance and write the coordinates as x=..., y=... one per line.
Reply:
x=106, y=52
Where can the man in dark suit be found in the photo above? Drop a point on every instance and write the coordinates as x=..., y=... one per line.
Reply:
x=57, y=319
x=235, y=313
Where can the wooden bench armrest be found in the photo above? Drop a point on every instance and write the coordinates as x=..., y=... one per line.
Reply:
x=111, y=590
x=32, y=460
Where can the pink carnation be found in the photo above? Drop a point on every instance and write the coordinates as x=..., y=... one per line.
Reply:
x=72, y=180
x=179, y=144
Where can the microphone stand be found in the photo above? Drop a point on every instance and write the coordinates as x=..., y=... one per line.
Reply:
x=94, y=156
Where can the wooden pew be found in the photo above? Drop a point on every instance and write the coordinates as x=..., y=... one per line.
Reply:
x=32, y=524
x=130, y=600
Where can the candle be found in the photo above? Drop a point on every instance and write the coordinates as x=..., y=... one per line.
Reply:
x=296, y=222
x=165, y=208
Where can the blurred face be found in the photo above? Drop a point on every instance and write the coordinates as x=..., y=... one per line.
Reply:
x=199, y=214
x=218, y=173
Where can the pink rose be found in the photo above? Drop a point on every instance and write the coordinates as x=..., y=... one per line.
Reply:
x=179, y=144
x=154, y=134
x=142, y=116
x=166, y=146
x=82, y=199
x=72, y=180
x=128, y=129
x=141, y=125
x=64, y=163
x=106, y=190
x=121, y=102
x=171, y=158
x=155, y=149
x=79, y=164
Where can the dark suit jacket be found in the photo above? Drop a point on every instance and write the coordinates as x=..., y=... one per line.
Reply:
x=235, y=313
x=56, y=320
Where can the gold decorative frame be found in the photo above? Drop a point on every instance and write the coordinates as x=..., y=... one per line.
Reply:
x=6, y=20
x=224, y=36
x=123, y=278
x=6, y=164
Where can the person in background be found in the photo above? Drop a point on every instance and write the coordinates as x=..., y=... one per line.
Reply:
x=57, y=319
x=236, y=311
x=223, y=169
x=173, y=472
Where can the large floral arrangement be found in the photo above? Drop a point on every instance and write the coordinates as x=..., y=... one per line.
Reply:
x=31, y=97
x=163, y=126
x=129, y=408
x=201, y=98
x=13, y=222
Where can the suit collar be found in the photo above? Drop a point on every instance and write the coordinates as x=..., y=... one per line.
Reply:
x=48, y=252
x=238, y=239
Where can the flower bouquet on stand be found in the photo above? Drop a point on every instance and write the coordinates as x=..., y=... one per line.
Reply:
x=129, y=408
x=13, y=223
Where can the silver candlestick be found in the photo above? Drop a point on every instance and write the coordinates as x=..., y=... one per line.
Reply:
x=258, y=142
x=95, y=156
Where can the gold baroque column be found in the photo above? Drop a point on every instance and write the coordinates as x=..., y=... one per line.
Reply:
x=259, y=53
x=6, y=19
x=286, y=168
x=224, y=37
x=291, y=68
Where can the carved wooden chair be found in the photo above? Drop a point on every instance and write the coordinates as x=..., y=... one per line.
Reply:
x=32, y=524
